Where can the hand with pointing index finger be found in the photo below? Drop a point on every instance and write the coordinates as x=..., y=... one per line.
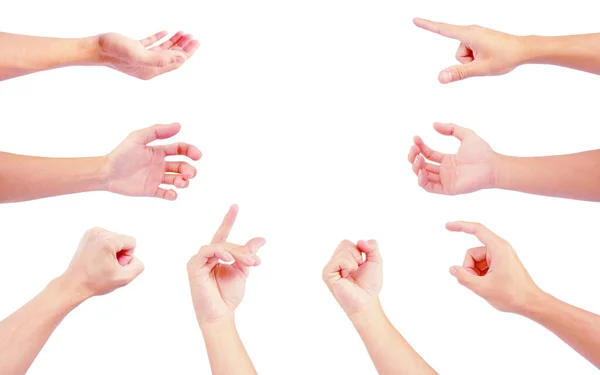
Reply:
x=136, y=169
x=482, y=51
x=218, y=272
x=473, y=167
x=493, y=271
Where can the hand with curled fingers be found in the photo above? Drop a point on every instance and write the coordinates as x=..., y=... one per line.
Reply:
x=493, y=271
x=137, y=169
x=218, y=272
x=138, y=58
x=482, y=51
x=104, y=261
x=473, y=167
x=354, y=275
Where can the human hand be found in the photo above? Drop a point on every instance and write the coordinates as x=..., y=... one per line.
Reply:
x=494, y=271
x=472, y=168
x=136, y=169
x=482, y=52
x=218, y=288
x=355, y=282
x=103, y=262
x=138, y=59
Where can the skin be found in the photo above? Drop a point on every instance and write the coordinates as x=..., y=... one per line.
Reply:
x=487, y=52
x=22, y=54
x=134, y=168
x=217, y=275
x=104, y=261
x=476, y=166
x=354, y=275
x=495, y=273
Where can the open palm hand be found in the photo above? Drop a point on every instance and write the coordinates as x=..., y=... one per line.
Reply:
x=136, y=169
x=472, y=168
x=138, y=59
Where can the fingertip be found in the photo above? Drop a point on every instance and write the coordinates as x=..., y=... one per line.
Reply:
x=171, y=195
x=195, y=153
x=445, y=76
x=234, y=208
x=453, y=270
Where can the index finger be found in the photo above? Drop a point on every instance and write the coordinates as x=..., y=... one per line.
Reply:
x=444, y=29
x=486, y=236
x=225, y=228
x=124, y=242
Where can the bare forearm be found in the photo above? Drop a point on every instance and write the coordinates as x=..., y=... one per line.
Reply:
x=22, y=54
x=574, y=176
x=26, y=177
x=24, y=333
x=580, y=329
x=581, y=52
x=390, y=352
x=226, y=352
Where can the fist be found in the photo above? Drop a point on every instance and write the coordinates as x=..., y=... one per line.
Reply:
x=494, y=271
x=354, y=275
x=103, y=262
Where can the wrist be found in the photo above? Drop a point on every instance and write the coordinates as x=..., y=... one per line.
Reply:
x=68, y=293
x=502, y=172
x=536, y=304
x=216, y=324
x=101, y=173
x=537, y=49
x=368, y=314
x=88, y=51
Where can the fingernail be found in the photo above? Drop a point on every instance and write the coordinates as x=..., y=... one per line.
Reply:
x=228, y=257
x=446, y=76
x=179, y=59
x=251, y=260
x=453, y=271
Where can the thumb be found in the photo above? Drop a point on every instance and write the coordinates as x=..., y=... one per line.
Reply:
x=162, y=59
x=460, y=72
x=133, y=269
x=466, y=278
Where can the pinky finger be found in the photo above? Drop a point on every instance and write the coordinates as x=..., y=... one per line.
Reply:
x=169, y=195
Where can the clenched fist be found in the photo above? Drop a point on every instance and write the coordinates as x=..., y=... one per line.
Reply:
x=103, y=262
x=354, y=275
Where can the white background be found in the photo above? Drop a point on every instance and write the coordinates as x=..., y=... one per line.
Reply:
x=304, y=111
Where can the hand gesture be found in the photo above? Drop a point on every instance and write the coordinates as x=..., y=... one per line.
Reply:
x=494, y=271
x=219, y=271
x=138, y=59
x=136, y=169
x=103, y=262
x=472, y=168
x=482, y=52
x=355, y=282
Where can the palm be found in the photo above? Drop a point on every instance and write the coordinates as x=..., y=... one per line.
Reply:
x=220, y=291
x=136, y=170
x=133, y=57
x=470, y=169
